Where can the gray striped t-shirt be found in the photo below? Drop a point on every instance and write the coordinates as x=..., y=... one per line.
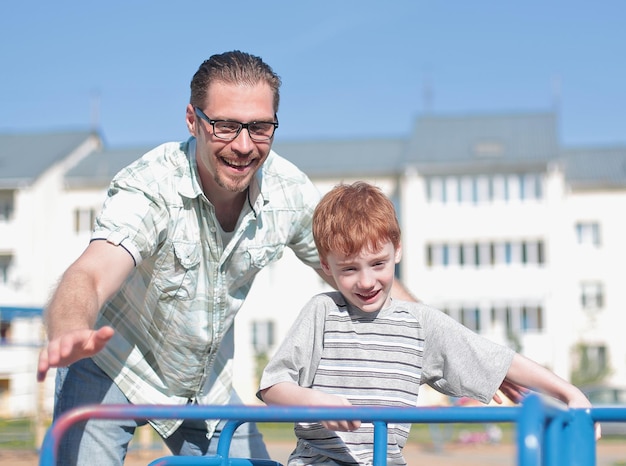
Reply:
x=379, y=359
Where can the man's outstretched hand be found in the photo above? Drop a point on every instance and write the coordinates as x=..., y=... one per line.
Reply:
x=71, y=347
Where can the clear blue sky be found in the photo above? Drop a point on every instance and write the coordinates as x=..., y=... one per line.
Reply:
x=350, y=69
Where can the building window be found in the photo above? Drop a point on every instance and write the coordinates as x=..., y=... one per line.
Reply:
x=436, y=190
x=470, y=317
x=498, y=188
x=532, y=318
x=445, y=249
x=483, y=189
x=467, y=191
x=84, y=220
x=532, y=252
x=5, y=265
x=513, y=188
x=451, y=190
x=6, y=205
x=513, y=318
x=595, y=356
x=469, y=255
x=5, y=332
x=531, y=187
x=540, y=253
x=436, y=255
x=588, y=233
x=516, y=253
x=485, y=254
x=454, y=254
x=499, y=254
x=263, y=336
x=592, y=295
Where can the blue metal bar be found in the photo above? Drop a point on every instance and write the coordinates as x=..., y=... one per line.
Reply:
x=555, y=445
x=223, y=446
x=582, y=443
x=546, y=431
x=271, y=414
x=380, y=443
x=530, y=432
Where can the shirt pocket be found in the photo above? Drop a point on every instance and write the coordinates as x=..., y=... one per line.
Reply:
x=246, y=263
x=177, y=275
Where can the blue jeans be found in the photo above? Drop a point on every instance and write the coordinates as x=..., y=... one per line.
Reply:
x=103, y=442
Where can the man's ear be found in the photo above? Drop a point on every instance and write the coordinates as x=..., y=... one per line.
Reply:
x=191, y=120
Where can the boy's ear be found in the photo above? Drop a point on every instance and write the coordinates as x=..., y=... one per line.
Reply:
x=398, y=254
x=325, y=267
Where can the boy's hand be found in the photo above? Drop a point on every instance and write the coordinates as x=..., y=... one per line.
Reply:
x=512, y=391
x=326, y=399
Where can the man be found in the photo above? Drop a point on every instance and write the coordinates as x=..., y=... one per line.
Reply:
x=145, y=314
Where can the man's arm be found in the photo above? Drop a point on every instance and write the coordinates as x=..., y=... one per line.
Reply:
x=71, y=314
x=399, y=291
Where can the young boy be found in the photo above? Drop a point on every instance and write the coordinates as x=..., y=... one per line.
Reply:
x=359, y=347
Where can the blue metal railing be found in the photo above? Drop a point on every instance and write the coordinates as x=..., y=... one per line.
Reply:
x=548, y=434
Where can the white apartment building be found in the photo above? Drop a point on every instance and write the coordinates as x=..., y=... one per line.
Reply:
x=512, y=234
x=34, y=222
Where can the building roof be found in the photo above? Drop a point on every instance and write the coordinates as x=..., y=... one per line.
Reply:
x=25, y=156
x=595, y=167
x=359, y=157
x=491, y=140
x=99, y=167
x=440, y=144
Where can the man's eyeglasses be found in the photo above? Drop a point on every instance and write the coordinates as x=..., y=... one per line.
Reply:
x=229, y=130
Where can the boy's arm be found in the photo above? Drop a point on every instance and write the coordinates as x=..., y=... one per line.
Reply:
x=289, y=393
x=528, y=373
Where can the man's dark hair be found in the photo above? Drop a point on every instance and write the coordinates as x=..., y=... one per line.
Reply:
x=233, y=68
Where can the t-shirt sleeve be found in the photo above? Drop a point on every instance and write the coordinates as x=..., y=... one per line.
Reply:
x=458, y=362
x=298, y=356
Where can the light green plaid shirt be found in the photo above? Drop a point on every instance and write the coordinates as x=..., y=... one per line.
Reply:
x=174, y=315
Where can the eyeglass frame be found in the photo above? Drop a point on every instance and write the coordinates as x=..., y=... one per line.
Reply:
x=198, y=111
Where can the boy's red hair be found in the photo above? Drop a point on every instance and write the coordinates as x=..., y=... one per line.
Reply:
x=352, y=217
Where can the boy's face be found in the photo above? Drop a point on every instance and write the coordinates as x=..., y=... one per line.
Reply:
x=365, y=280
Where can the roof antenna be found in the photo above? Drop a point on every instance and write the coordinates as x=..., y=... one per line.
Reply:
x=95, y=110
x=427, y=95
x=556, y=93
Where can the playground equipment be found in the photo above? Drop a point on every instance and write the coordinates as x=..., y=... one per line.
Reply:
x=548, y=434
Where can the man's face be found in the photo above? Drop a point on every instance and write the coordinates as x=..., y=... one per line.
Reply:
x=365, y=280
x=231, y=165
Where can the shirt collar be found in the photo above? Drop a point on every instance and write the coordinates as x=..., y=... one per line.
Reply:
x=190, y=186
